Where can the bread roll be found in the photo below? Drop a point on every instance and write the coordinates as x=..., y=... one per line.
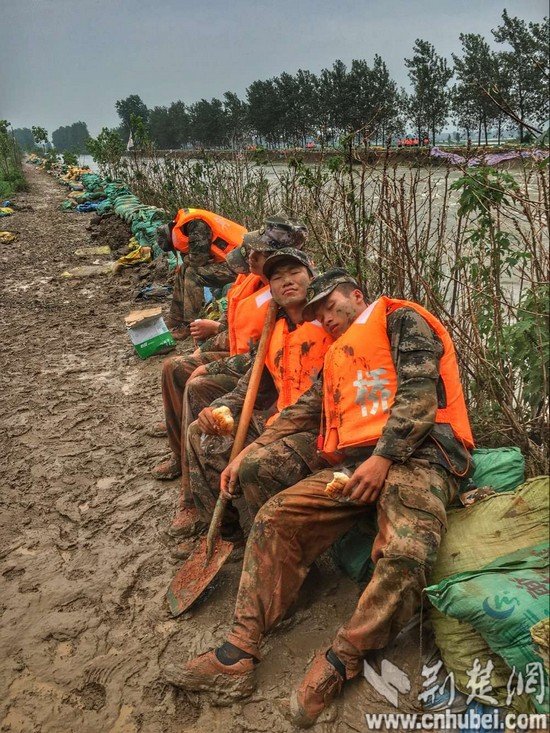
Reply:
x=336, y=486
x=224, y=419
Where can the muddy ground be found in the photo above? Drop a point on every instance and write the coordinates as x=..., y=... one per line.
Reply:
x=84, y=564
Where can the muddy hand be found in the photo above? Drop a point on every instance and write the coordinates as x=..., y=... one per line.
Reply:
x=367, y=480
x=203, y=328
x=207, y=422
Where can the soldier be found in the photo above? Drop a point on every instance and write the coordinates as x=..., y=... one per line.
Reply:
x=204, y=239
x=393, y=417
x=219, y=362
x=295, y=355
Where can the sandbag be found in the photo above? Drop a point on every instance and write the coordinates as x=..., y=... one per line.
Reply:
x=540, y=633
x=501, y=468
x=476, y=536
x=502, y=601
x=352, y=554
x=479, y=534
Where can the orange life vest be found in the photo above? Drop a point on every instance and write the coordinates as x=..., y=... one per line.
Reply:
x=222, y=229
x=294, y=359
x=247, y=303
x=359, y=369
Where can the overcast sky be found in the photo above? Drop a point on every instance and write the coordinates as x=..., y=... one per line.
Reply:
x=67, y=60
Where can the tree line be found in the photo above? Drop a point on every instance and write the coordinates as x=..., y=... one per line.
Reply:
x=481, y=91
x=492, y=90
x=69, y=138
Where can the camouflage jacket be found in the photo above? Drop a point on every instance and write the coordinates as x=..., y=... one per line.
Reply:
x=200, y=238
x=410, y=430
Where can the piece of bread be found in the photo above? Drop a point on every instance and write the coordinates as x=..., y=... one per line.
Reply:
x=335, y=487
x=224, y=419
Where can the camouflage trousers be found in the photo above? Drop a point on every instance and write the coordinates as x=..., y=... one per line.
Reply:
x=175, y=373
x=260, y=476
x=199, y=393
x=297, y=525
x=189, y=284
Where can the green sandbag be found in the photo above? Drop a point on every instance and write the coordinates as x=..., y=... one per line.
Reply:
x=502, y=601
x=352, y=554
x=91, y=181
x=476, y=536
x=104, y=206
x=67, y=205
x=501, y=468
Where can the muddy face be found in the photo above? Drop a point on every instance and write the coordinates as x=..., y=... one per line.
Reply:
x=338, y=311
x=256, y=262
x=289, y=283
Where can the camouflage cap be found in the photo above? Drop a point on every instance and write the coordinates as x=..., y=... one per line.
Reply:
x=237, y=260
x=276, y=233
x=287, y=254
x=323, y=285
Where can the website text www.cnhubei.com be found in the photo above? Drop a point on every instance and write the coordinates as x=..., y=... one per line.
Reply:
x=447, y=720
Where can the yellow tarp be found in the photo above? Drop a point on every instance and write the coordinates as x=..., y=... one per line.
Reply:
x=6, y=211
x=92, y=251
x=135, y=256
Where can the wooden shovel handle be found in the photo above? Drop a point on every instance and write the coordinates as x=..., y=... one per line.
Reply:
x=244, y=421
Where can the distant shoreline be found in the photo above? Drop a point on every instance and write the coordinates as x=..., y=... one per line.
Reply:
x=373, y=156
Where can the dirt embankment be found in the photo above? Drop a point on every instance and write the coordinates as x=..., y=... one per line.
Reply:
x=84, y=567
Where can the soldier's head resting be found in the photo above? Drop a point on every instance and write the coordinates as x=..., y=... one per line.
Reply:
x=289, y=272
x=277, y=232
x=335, y=299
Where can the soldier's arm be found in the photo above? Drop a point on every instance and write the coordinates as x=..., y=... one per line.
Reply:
x=415, y=352
x=267, y=394
x=218, y=342
x=303, y=415
x=200, y=237
x=239, y=364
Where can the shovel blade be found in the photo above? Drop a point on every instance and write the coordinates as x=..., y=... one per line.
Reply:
x=195, y=575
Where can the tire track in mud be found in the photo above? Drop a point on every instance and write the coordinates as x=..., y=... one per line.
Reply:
x=83, y=563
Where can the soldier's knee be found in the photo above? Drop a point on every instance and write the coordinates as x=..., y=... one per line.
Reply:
x=249, y=471
x=257, y=478
x=269, y=518
x=168, y=366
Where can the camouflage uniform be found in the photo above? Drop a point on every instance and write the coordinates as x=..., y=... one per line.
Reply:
x=199, y=270
x=295, y=526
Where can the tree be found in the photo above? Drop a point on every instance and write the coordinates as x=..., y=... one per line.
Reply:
x=208, y=124
x=464, y=110
x=429, y=103
x=236, y=117
x=169, y=126
x=40, y=135
x=24, y=138
x=476, y=71
x=264, y=110
x=72, y=138
x=107, y=150
x=524, y=98
x=132, y=105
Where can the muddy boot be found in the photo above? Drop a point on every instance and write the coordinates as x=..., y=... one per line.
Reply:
x=186, y=523
x=167, y=470
x=157, y=430
x=320, y=686
x=227, y=682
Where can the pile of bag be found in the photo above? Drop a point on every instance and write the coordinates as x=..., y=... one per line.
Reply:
x=489, y=589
